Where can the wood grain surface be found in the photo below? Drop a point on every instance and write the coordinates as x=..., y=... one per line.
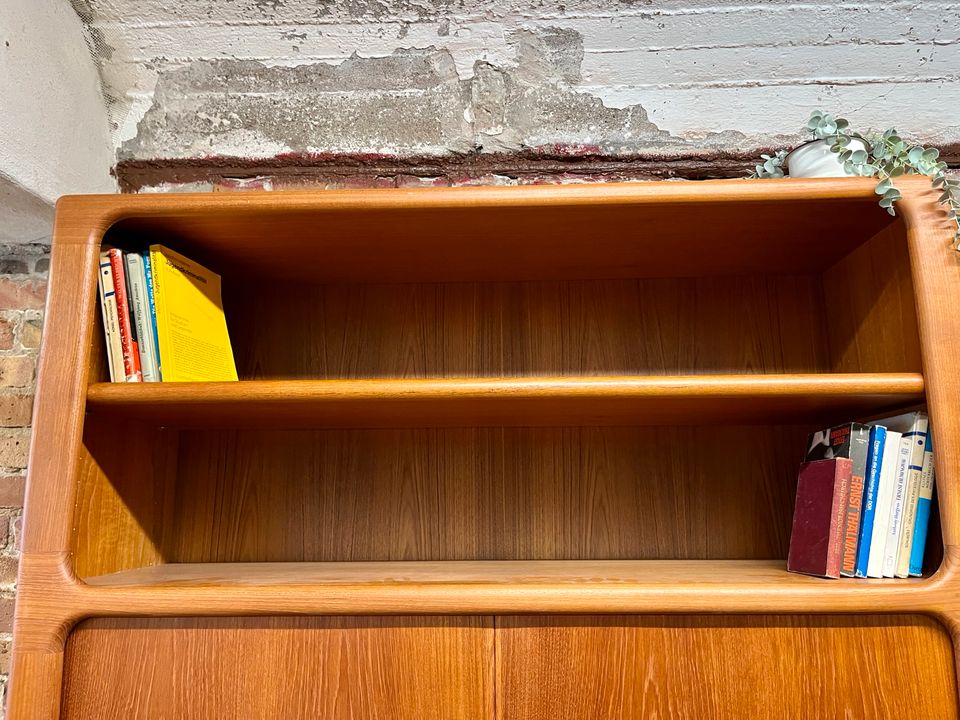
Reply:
x=724, y=668
x=478, y=402
x=280, y=668
x=679, y=326
x=483, y=493
x=658, y=280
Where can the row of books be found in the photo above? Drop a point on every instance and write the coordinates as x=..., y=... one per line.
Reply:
x=863, y=500
x=163, y=318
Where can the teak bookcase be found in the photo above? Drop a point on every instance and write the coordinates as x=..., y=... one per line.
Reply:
x=524, y=453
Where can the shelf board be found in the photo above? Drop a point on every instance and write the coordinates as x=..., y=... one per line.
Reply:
x=489, y=586
x=528, y=401
x=584, y=573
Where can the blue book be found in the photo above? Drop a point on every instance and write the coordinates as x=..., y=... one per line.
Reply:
x=877, y=442
x=148, y=272
x=924, y=501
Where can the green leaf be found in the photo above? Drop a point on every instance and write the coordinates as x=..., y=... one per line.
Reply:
x=886, y=202
x=892, y=211
x=915, y=154
x=859, y=156
x=883, y=186
x=931, y=154
x=938, y=181
x=842, y=123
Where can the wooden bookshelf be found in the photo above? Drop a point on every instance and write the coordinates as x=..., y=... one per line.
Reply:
x=488, y=441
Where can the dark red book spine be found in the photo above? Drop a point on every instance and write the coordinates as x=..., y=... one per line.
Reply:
x=819, y=517
x=131, y=356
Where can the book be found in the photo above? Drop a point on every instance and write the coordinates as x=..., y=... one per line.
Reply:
x=148, y=276
x=875, y=448
x=924, y=501
x=111, y=329
x=816, y=540
x=139, y=303
x=895, y=528
x=128, y=343
x=885, y=490
x=191, y=328
x=849, y=440
x=918, y=441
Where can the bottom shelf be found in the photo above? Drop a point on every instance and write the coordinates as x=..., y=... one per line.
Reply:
x=584, y=574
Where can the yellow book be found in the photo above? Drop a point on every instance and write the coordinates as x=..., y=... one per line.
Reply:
x=191, y=328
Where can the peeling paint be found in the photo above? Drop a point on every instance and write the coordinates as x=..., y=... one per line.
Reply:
x=622, y=76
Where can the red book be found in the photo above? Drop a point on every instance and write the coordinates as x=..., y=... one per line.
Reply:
x=128, y=342
x=819, y=517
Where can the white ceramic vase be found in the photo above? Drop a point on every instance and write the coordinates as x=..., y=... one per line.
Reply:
x=816, y=159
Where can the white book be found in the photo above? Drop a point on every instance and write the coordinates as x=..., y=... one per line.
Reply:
x=892, y=546
x=140, y=303
x=881, y=518
x=111, y=320
x=918, y=441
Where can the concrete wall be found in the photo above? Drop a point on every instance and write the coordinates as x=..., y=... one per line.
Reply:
x=54, y=136
x=657, y=79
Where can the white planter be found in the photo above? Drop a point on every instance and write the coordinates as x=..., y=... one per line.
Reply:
x=816, y=159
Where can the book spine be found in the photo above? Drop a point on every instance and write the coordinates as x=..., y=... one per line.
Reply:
x=918, y=441
x=163, y=342
x=131, y=359
x=148, y=277
x=108, y=309
x=838, y=515
x=858, y=442
x=881, y=521
x=924, y=501
x=892, y=545
x=141, y=315
x=878, y=437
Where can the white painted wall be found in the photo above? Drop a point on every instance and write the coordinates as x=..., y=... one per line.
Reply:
x=54, y=134
x=695, y=66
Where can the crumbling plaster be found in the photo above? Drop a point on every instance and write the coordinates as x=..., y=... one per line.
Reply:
x=261, y=78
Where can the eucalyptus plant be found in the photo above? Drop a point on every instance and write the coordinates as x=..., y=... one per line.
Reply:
x=887, y=157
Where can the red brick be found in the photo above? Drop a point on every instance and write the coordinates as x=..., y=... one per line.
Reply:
x=24, y=294
x=16, y=371
x=8, y=571
x=11, y=490
x=6, y=614
x=7, y=326
x=15, y=410
x=14, y=448
x=4, y=530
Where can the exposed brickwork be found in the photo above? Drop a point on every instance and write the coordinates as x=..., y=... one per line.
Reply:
x=23, y=286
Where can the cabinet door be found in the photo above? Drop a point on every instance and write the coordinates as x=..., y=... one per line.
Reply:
x=389, y=668
x=626, y=668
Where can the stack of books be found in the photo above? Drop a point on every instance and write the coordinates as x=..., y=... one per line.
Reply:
x=863, y=500
x=162, y=318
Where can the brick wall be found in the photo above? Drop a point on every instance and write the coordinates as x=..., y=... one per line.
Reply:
x=23, y=288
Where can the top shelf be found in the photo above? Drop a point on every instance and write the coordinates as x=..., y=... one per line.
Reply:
x=593, y=231
x=529, y=401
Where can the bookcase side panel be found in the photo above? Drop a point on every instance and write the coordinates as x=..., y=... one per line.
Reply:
x=869, y=311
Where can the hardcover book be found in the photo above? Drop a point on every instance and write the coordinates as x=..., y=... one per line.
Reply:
x=191, y=328
x=851, y=441
x=816, y=541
